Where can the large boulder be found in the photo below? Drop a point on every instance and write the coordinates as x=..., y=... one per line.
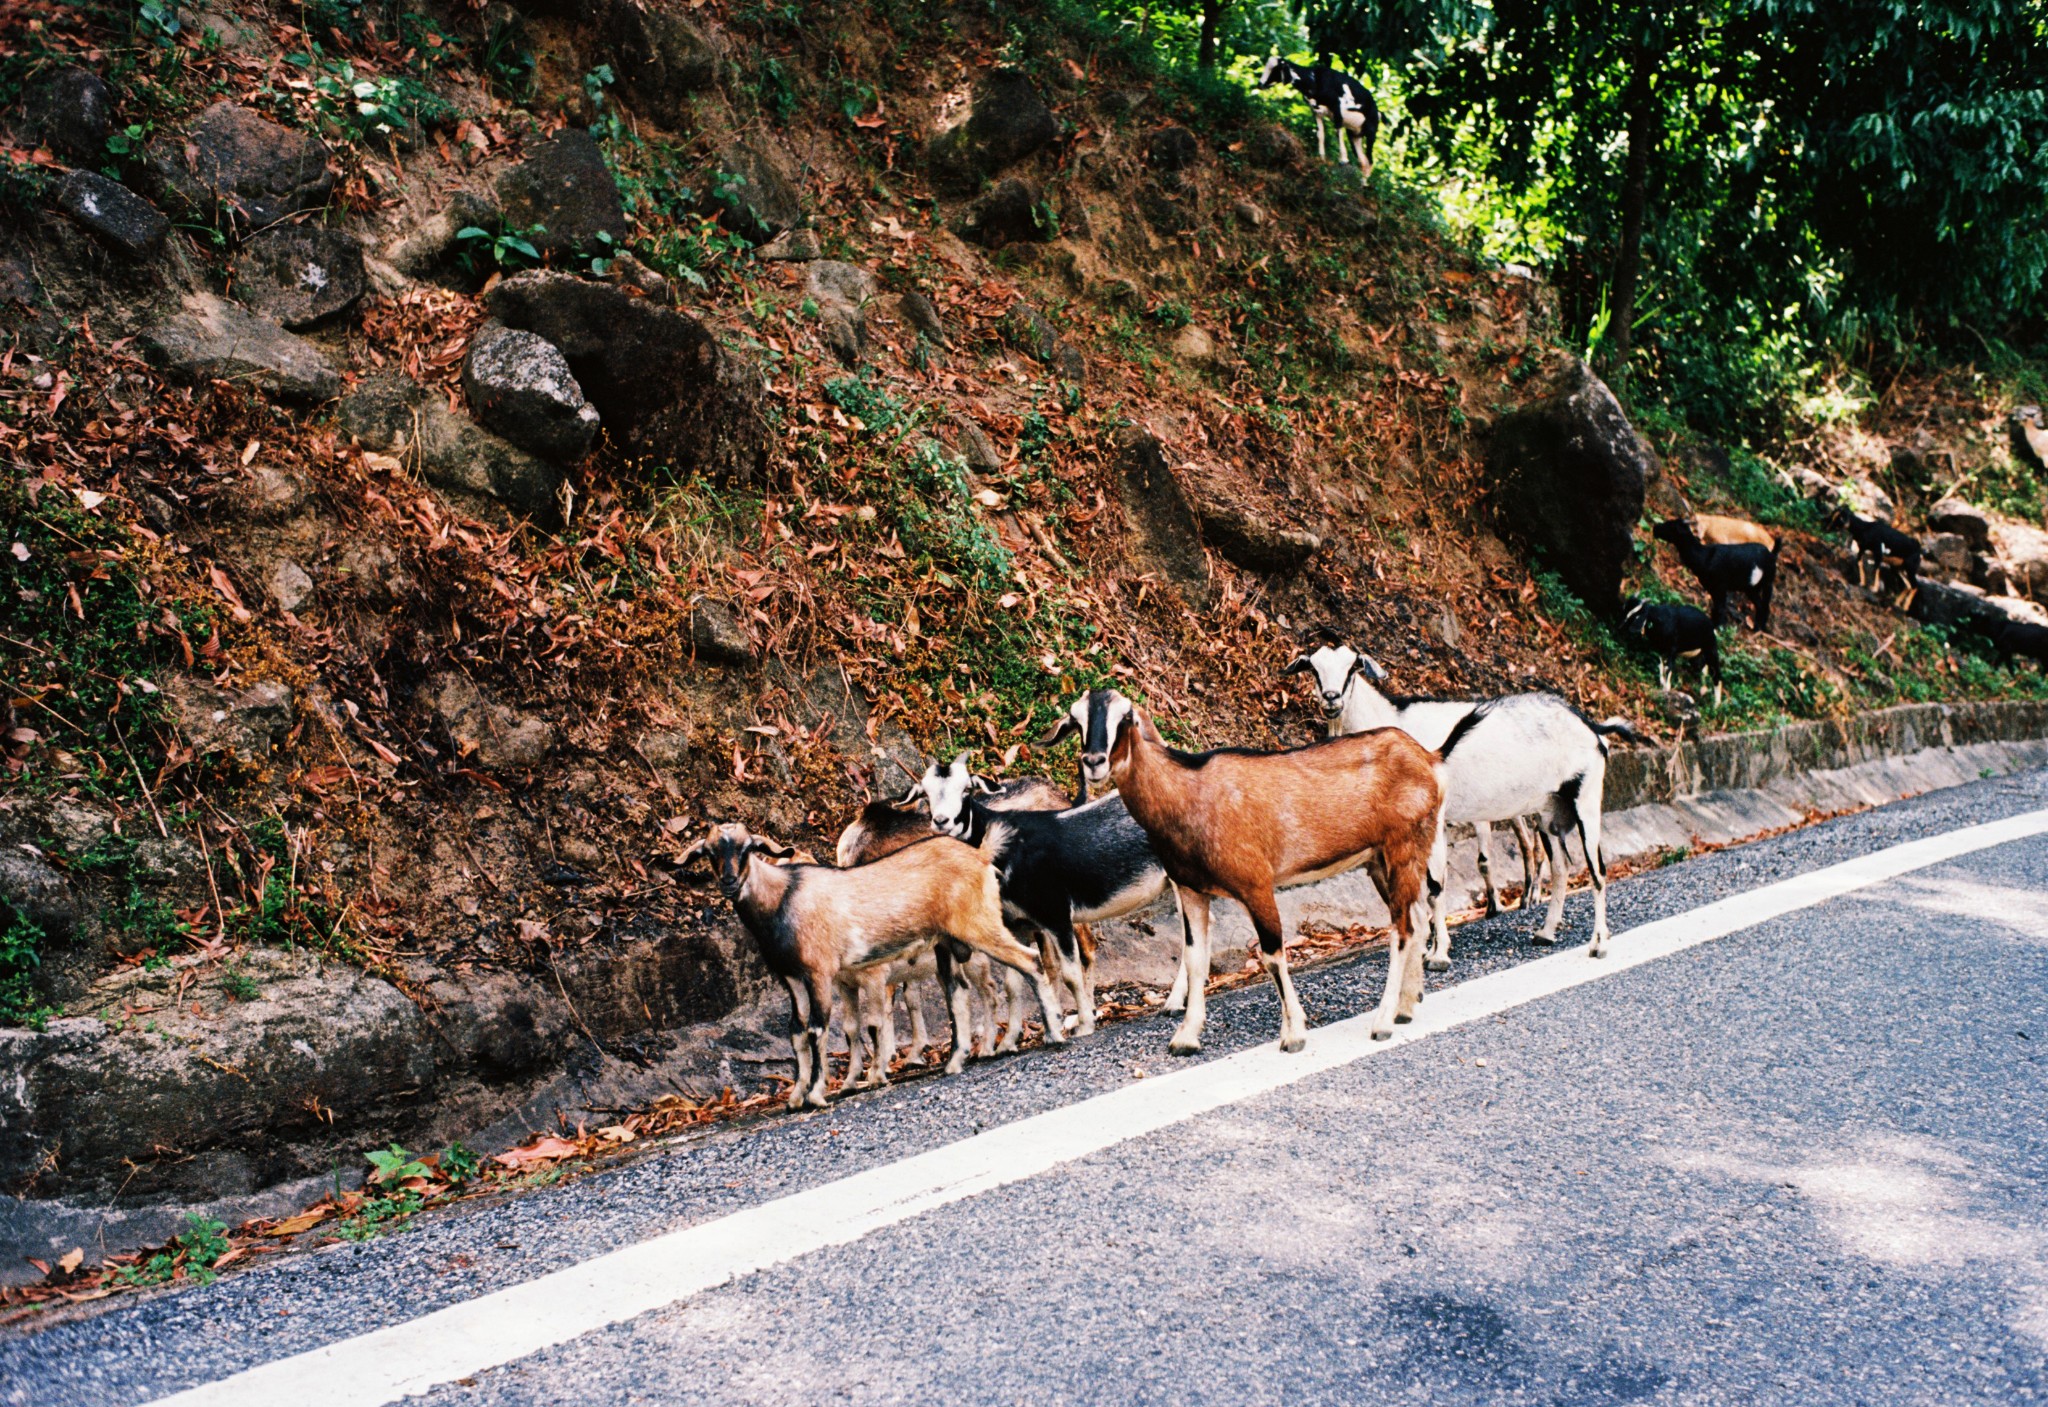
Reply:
x=751, y=193
x=1967, y=521
x=520, y=385
x=666, y=389
x=1013, y=213
x=842, y=293
x=663, y=54
x=71, y=112
x=1570, y=473
x=498, y=737
x=239, y=169
x=300, y=274
x=564, y=187
x=213, y=339
x=1172, y=149
x=250, y=724
x=1007, y=122
x=2022, y=550
x=117, y=215
x=1276, y=148
x=1165, y=539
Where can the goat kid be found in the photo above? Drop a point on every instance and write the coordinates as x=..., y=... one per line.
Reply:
x=1336, y=96
x=1345, y=682
x=1744, y=568
x=1674, y=633
x=1056, y=869
x=1879, y=548
x=814, y=923
x=1240, y=824
x=883, y=828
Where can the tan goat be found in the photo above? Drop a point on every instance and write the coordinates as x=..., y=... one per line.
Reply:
x=814, y=923
x=1242, y=824
x=1719, y=530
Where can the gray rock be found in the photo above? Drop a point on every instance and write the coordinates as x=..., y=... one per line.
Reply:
x=249, y=725
x=454, y=452
x=1165, y=539
x=520, y=386
x=921, y=317
x=498, y=737
x=300, y=274
x=662, y=54
x=240, y=170
x=272, y=494
x=289, y=585
x=974, y=445
x=1946, y=552
x=756, y=200
x=718, y=634
x=662, y=382
x=830, y=281
x=1013, y=213
x=426, y=247
x=376, y=572
x=70, y=112
x=845, y=332
x=791, y=247
x=1971, y=523
x=564, y=186
x=2023, y=551
x=214, y=339
x=380, y=411
x=1172, y=149
x=1007, y=122
x=34, y=889
x=75, y=827
x=1197, y=348
x=1068, y=364
x=1571, y=475
x=1248, y=212
x=114, y=213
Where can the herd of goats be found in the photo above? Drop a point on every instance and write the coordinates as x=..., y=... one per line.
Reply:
x=929, y=886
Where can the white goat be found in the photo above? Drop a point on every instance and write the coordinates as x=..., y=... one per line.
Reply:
x=1505, y=758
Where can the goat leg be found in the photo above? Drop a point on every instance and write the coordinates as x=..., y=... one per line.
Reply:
x=1194, y=971
x=1532, y=863
x=1265, y=912
x=957, y=1008
x=1485, y=833
x=799, y=1043
x=1322, y=152
x=1560, y=873
x=1438, y=958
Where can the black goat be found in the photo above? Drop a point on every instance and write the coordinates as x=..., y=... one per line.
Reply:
x=1336, y=96
x=1055, y=868
x=2021, y=637
x=1745, y=567
x=1674, y=633
x=1880, y=548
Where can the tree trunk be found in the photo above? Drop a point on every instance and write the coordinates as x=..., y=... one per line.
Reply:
x=1642, y=136
x=1212, y=21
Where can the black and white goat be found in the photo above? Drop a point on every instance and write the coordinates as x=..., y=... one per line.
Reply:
x=1880, y=549
x=1745, y=568
x=816, y=926
x=1345, y=683
x=1504, y=758
x=1335, y=96
x=1674, y=633
x=1055, y=868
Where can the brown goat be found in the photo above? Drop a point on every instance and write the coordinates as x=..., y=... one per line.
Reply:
x=814, y=923
x=1242, y=824
x=1719, y=530
x=885, y=827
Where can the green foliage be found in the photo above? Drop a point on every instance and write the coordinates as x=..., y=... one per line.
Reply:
x=355, y=108
x=1173, y=315
x=21, y=953
x=459, y=1163
x=193, y=1251
x=394, y=1164
x=239, y=985
x=1767, y=687
x=774, y=89
x=504, y=249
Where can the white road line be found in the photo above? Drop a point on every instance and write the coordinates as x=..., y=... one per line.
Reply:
x=390, y=1363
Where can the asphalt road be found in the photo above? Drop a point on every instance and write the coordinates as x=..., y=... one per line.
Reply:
x=1806, y=1162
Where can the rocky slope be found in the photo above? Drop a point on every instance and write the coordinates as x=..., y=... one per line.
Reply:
x=449, y=456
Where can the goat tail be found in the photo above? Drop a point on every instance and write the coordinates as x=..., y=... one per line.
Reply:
x=1619, y=728
x=995, y=839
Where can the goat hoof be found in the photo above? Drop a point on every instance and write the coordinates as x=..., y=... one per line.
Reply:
x=1436, y=964
x=794, y=1102
x=816, y=1099
x=1404, y=1018
x=1493, y=909
x=1179, y=1047
x=1543, y=940
x=1291, y=1046
x=1381, y=1033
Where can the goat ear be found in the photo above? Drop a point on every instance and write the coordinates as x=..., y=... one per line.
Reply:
x=1370, y=668
x=1302, y=665
x=979, y=783
x=693, y=854
x=771, y=849
x=1068, y=728
x=911, y=797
